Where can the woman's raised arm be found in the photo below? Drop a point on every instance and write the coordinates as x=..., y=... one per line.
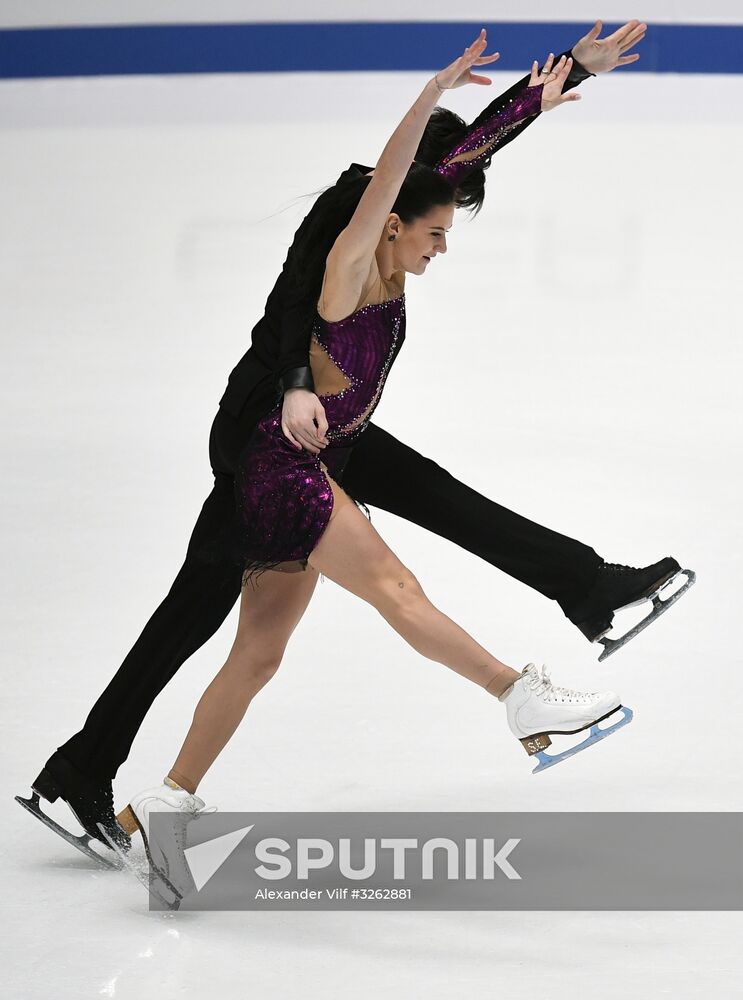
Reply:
x=355, y=246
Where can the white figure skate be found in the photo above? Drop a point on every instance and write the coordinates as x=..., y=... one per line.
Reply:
x=537, y=708
x=166, y=849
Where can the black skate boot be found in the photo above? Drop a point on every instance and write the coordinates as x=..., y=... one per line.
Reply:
x=617, y=587
x=90, y=800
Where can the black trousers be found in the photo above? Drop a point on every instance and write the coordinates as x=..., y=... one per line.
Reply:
x=381, y=472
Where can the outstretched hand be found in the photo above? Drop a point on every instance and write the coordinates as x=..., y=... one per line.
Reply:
x=457, y=74
x=553, y=81
x=601, y=55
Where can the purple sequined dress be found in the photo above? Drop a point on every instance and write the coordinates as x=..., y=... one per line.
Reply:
x=283, y=495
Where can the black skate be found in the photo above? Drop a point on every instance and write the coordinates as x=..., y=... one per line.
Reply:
x=90, y=801
x=618, y=587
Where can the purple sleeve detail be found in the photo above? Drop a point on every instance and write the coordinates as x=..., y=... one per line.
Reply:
x=483, y=141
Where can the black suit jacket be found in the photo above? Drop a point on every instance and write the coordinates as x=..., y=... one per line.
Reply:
x=278, y=357
x=280, y=341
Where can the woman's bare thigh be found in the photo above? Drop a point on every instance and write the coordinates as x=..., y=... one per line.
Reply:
x=352, y=553
x=273, y=604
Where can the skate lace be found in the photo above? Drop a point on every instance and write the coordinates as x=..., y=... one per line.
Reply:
x=196, y=806
x=192, y=807
x=190, y=803
x=543, y=687
x=619, y=568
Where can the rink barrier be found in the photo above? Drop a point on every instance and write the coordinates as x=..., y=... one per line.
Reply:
x=288, y=47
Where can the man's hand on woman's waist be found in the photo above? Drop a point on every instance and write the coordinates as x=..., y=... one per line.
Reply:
x=300, y=409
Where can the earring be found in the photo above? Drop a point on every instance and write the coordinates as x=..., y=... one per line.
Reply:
x=390, y=238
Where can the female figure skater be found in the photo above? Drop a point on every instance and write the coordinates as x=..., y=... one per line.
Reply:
x=294, y=520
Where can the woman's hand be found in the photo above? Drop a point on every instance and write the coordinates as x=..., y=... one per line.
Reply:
x=300, y=410
x=601, y=55
x=554, y=81
x=458, y=73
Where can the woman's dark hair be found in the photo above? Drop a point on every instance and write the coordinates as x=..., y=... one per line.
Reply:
x=422, y=190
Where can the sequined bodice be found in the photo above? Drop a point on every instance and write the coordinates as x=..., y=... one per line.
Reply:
x=361, y=348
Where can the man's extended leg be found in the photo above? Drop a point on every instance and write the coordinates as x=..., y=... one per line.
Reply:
x=386, y=473
x=205, y=589
x=81, y=770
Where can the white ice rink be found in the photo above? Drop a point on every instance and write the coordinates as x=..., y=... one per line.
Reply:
x=575, y=356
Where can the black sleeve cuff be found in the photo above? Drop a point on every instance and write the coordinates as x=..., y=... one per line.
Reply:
x=578, y=73
x=296, y=378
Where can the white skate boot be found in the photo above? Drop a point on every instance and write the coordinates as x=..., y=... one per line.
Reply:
x=166, y=845
x=536, y=708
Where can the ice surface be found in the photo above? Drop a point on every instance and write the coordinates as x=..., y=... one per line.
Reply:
x=594, y=307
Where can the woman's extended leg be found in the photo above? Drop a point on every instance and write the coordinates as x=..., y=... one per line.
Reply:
x=353, y=555
x=269, y=613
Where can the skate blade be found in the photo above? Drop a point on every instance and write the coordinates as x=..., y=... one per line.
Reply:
x=150, y=878
x=652, y=593
x=550, y=759
x=81, y=842
x=659, y=607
